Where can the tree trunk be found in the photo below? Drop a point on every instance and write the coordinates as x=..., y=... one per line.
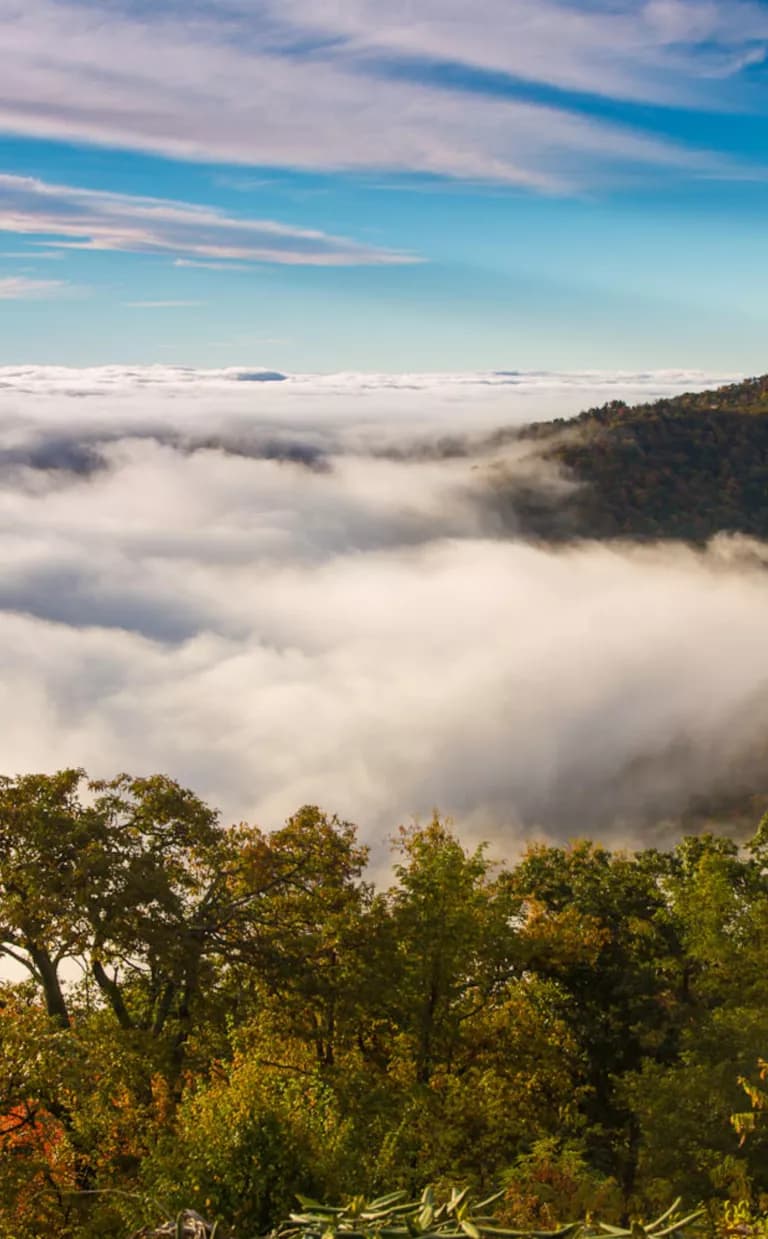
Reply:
x=111, y=989
x=49, y=979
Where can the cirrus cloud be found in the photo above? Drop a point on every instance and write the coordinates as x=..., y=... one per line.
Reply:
x=318, y=86
x=73, y=218
x=21, y=288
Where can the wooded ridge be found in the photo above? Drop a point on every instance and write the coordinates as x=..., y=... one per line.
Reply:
x=686, y=467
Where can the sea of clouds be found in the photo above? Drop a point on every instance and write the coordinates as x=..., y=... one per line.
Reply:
x=290, y=589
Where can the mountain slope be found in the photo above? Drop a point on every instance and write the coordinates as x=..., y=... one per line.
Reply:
x=686, y=467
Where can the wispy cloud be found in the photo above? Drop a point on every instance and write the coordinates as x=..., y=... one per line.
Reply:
x=211, y=266
x=31, y=255
x=19, y=288
x=228, y=83
x=75, y=218
x=659, y=51
x=162, y=305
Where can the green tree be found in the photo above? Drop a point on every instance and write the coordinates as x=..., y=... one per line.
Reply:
x=600, y=925
x=120, y=877
x=454, y=925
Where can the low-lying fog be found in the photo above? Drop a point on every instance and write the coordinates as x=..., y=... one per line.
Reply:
x=282, y=591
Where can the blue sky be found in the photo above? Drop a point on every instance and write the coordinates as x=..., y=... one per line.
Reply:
x=343, y=184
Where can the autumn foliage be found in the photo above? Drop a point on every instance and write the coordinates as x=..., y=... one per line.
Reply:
x=218, y=1018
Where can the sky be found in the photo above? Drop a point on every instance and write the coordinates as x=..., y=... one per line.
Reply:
x=428, y=185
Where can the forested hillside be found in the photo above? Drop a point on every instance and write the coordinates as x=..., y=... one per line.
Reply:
x=221, y=1018
x=686, y=467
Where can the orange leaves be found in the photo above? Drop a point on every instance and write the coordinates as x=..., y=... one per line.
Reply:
x=29, y=1127
x=37, y=1162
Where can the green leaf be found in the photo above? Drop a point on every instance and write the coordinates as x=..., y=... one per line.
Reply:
x=668, y=1213
x=670, y=1230
x=457, y=1199
x=426, y=1217
x=385, y=1202
x=489, y=1200
x=562, y=1233
x=315, y=1209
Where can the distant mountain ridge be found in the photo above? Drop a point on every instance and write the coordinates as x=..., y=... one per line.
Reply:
x=684, y=467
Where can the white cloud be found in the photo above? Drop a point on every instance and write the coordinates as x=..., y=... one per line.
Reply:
x=74, y=218
x=226, y=83
x=343, y=411
x=162, y=305
x=20, y=288
x=211, y=266
x=32, y=255
x=658, y=51
x=271, y=591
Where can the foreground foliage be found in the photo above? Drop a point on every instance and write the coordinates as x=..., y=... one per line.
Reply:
x=219, y=1019
x=455, y=1216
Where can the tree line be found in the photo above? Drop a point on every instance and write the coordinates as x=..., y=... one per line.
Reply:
x=686, y=467
x=219, y=1017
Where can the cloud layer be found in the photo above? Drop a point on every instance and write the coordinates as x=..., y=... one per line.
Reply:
x=308, y=84
x=22, y=288
x=295, y=590
x=72, y=218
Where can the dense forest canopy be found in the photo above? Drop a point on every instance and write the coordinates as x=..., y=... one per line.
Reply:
x=219, y=1017
x=686, y=467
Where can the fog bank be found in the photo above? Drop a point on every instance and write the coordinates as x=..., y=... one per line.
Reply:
x=291, y=589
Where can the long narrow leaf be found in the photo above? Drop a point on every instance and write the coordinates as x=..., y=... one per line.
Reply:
x=384, y=1202
x=667, y=1213
x=314, y=1206
x=489, y=1200
x=670, y=1230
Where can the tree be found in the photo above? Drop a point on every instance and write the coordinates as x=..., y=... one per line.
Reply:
x=300, y=934
x=454, y=926
x=122, y=877
x=599, y=924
